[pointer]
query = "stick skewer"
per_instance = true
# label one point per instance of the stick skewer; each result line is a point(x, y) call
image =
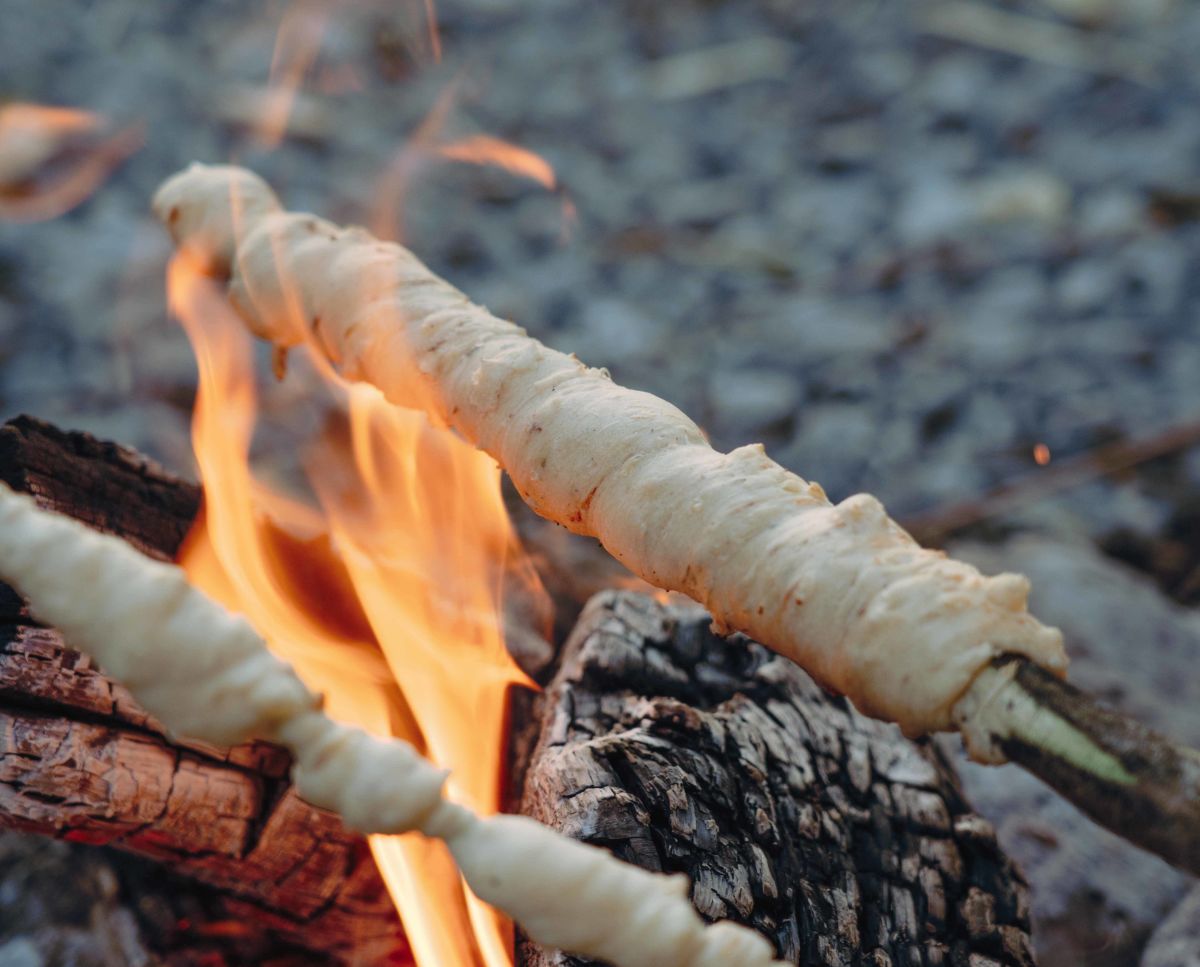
point(1125, 776)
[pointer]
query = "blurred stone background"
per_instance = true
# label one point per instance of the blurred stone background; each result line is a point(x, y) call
point(902, 244)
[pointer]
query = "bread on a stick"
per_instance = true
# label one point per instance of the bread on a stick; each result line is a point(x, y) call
point(841, 589)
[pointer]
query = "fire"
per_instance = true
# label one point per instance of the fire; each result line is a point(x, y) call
point(53, 158)
point(391, 188)
point(429, 142)
point(278, 107)
point(435, 35)
point(385, 594)
point(1041, 454)
point(297, 43)
point(483, 149)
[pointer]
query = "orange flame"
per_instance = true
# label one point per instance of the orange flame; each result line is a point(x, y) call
point(391, 189)
point(298, 39)
point(53, 158)
point(435, 35)
point(483, 149)
point(429, 141)
point(387, 599)
point(1041, 454)
point(297, 43)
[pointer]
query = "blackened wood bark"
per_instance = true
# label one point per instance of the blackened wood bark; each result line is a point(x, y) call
point(81, 761)
point(841, 841)
point(107, 486)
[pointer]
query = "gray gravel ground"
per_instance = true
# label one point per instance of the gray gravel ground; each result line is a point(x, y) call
point(899, 259)
point(901, 243)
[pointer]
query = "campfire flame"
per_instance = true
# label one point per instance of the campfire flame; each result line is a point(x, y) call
point(385, 590)
point(435, 35)
point(483, 149)
point(54, 158)
point(386, 595)
point(297, 43)
point(429, 142)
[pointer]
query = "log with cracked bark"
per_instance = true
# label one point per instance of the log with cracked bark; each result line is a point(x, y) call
point(81, 761)
point(843, 842)
point(839, 839)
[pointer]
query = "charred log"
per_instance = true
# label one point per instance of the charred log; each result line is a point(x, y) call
point(833, 835)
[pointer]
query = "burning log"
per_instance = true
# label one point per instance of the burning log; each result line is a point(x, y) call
point(82, 760)
point(806, 821)
point(906, 634)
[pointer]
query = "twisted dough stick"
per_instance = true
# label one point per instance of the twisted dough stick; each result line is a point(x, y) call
point(206, 674)
point(842, 590)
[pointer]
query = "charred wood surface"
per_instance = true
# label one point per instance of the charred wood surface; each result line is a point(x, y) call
point(838, 839)
point(79, 760)
point(108, 487)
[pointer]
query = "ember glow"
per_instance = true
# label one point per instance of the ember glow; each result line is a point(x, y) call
point(53, 158)
point(1041, 454)
point(387, 599)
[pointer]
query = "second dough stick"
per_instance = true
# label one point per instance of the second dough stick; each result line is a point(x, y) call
point(841, 589)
